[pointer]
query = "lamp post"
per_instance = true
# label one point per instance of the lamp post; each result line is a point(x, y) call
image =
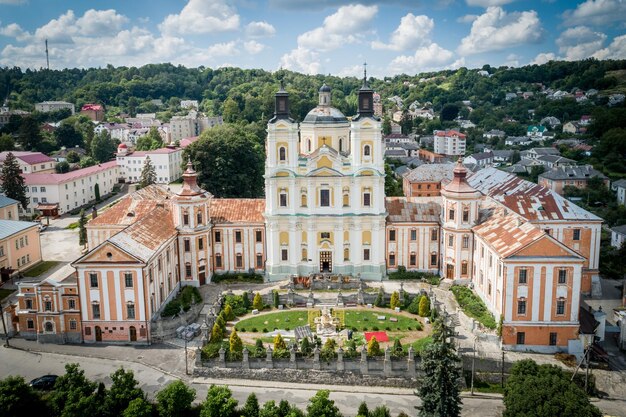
point(186, 357)
point(473, 365)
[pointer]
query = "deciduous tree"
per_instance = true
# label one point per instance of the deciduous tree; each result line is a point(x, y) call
point(175, 400)
point(219, 403)
point(17, 399)
point(320, 405)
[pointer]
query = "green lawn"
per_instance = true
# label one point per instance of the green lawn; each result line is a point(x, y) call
point(39, 269)
point(5, 293)
point(473, 306)
point(361, 320)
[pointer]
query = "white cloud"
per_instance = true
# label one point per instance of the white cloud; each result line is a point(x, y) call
point(616, 50)
point(58, 30)
point(13, 2)
point(496, 29)
point(425, 59)
point(596, 12)
point(100, 22)
point(341, 27)
point(412, 32)
point(351, 71)
point(223, 49)
point(488, 3)
point(253, 47)
point(260, 30)
point(302, 60)
point(579, 42)
point(13, 30)
point(543, 58)
point(512, 60)
point(468, 18)
point(201, 16)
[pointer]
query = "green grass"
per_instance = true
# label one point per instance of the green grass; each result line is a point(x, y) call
point(482, 386)
point(473, 306)
point(421, 344)
point(361, 320)
point(5, 293)
point(39, 269)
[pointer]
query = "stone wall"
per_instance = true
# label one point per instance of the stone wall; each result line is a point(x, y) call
point(165, 327)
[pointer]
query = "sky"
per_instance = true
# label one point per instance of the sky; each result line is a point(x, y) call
point(314, 37)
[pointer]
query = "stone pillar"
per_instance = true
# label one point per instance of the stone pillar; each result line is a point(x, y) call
point(269, 361)
point(410, 364)
point(310, 302)
point(360, 299)
point(222, 362)
point(387, 363)
point(291, 297)
point(340, 365)
point(198, 357)
point(316, 359)
point(245, 363)
point(292, 357)
point(364, 367)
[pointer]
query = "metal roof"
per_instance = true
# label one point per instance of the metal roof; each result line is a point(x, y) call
point(10, 227)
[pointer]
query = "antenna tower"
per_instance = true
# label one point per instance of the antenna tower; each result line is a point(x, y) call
point(47, 58)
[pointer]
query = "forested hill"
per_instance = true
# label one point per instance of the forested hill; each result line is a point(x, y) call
point(240, 94)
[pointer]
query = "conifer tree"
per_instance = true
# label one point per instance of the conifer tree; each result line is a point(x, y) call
point(82, 230)
point(395, 300)
point(279, 343)
point(424, 306)
point(251, 407)
point(439, 391)
point(373, 348)
point(12, 182)
point(236, 345)
point(257, 303)
point(148, 174)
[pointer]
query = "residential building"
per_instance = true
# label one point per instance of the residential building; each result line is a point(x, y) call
point(494, 133)
point(191, 125)
point(502, 155)
point(189, 104)
point(49, 106)
point(449, 142)
point(6, 114)
point(20, 247)
point(620, 189)
point(60, 193)
point(93, 111)
point(574, 128)
point(49, 310)
point(550, 121)
point(535, 153)
point(480, 159)
point(573, 176)
point(618, 236)
point(425, 180)
point(61, 155)
point(9, 208)
point(167, 163)
point(31, 162)
point(555, 161)
point(518, 141)
point(536, 132)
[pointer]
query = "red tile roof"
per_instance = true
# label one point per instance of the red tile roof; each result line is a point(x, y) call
point(449, 133)
point(133, 207)
point(237, 210)
point(409, 210)
point(507, 234)
point(91, 107)
point(37, 179)
point(28, 157)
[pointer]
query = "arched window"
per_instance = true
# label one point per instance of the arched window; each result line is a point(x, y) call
point(366, 150)
point(218, 260)
point(48, 326)
point(466, 214)
point(282, 155)
point(340, 145)
point(303, 202)
point(346, 254)
point(308, 145)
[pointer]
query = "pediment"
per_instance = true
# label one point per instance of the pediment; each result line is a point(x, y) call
point(107, 252)
point(324, 172)
point(546, 247)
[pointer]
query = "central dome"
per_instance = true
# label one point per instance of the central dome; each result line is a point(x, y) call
point(325, 114)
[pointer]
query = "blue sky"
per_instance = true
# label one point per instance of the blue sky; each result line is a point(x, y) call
point(321, 36)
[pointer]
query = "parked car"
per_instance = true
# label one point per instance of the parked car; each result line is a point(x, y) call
point(45, 382)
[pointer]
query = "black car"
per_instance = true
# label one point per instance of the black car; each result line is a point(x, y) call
point(45, 382)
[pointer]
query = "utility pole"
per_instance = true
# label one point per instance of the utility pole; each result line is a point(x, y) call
point(587, 368)
point(4, 326)
point(186, 357)
point(47, 58)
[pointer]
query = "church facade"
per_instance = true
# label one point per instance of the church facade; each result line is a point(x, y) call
point(528, 253)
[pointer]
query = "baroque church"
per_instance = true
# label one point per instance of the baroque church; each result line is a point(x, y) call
point(528, 253)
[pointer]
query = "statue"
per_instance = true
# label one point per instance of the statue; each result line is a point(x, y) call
point(326, 323)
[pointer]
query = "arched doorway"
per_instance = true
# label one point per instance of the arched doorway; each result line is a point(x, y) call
point(132, 332)
point(98, 334)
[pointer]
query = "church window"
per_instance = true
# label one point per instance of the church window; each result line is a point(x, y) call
point(392, 235)
point(367, 150)
point(186, 219)
point(49, 327)
point(308, 145)
point(325, 235)
point(522, 276)
point(392, 259)
point(413, 234)
point(258, 236)
point(259, 261)
point(346, 254)
point(340, 145)
point(93, 280)
point(562, 276)
point(560, 306)
point(199, 217)
point(238, 261)
point(433, 259)
point(464, 268)
point(466, 215)
point(29, 304)
point(237, 236)
point(366, 200)
point(346, 198)
point(465, 241)
point(95, 310)
point(47, 305)
point(576, 234)
point(218, 260)
point(130, 310)
point(282, 154)
point(128, 279)
point(303, 202)
point(218, 237)
point(284, 255)
point(366, 254)
point(283, 199)
point(451, 214)
point(450, 240)
point(187, 269)
point(325, 198)
point(412, 259)
point(187, 245)
point(434, 234)
point(200, 243)
point(521, 307)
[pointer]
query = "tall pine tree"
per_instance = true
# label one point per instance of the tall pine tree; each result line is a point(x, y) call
point(439, 391)
point(12, 182)
point(82, 231)
point(148, 174)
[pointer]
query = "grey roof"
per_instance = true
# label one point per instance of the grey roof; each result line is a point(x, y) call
point(401, 170)
point(505, 153)
point(619, 183)
point(395, 152)
point(11, 227)
point(482, 155)
point(545, 151)
point(324, 88)
point(556, 158)
point(6, 201)
point(516, 169)
point(620, 229)
point(431, 172)
point(574, 172)
point(325, 114)
point(407, 145)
